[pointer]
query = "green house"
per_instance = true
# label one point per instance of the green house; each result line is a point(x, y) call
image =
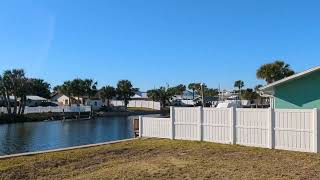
point(300, 91)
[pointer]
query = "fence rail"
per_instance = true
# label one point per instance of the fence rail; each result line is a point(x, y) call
point(39, 109)
point(138, 103)
point(295, 130)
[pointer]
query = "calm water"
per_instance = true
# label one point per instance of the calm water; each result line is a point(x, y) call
point(36, 136)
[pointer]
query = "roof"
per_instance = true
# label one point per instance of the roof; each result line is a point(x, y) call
point(290, 78)
point(36, 98)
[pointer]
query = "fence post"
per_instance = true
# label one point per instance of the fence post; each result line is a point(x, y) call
point(315, 130)
point(140, 127)
point(200, 120)
point(233, 123)
point(271, 128)
point(172, 116)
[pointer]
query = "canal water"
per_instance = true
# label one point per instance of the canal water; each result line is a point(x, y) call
point(38, 136)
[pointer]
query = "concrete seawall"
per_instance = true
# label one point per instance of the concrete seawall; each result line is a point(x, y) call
point(64, 149)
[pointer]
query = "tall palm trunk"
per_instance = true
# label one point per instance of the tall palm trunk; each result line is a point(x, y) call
point(22, 105)
point(8, 103)
point(193, 90)
point(108, 103)
point(15, 106)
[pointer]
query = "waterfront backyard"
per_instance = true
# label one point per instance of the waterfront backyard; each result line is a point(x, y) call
point(164, 159)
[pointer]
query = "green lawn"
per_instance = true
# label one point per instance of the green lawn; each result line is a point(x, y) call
point(164, 159)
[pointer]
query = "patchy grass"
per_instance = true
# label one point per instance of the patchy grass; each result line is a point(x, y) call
point(164, 159)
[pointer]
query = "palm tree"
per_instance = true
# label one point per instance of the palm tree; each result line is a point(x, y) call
point(192, 86)
point(153, 94)
point(40, 88)
point(274, 71)
point(13, 84)
point(239, 84)
point(196, 88)
point(90, 87)
point(163, 95)
point(125, 91)
point(67, 90)
point(78, 88)
point(107, 92)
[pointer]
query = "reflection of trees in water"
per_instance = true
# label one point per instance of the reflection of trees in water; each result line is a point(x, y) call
point(23, 137)
point(17, 138)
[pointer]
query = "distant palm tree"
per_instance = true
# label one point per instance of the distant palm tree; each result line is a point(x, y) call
point(196, 88)
point(66, 89)
point(239, 84)
point(107, 93)
point(125, 91)
point(274, 71)
point(193, 87)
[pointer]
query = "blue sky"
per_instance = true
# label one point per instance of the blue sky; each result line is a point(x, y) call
point(155, 42)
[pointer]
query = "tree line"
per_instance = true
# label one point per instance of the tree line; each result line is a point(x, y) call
point(80, 88)
point(15, 86)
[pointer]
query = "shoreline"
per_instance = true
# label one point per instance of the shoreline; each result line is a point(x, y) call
point(63, 149)
point(43, 117)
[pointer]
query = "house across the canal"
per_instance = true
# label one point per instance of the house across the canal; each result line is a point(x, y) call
point(299, 91)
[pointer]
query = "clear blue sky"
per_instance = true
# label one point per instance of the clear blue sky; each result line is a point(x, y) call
point(154, 42)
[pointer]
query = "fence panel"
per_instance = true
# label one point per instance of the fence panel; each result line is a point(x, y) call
point(294, 130)
point(186, 123)
point(287, 129)
point(157, 105)
point(252, 127)
point(216, 125)
point(156, 127)
point(138, 103)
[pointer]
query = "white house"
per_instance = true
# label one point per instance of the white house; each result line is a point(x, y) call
point(95, 103)
point(33, 101)
point(186, 95)
point(61, 99)
point(185, 99)
point(140, 96)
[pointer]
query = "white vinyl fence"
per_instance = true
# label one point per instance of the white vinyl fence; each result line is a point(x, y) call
point(156, 127)
point(138, 103)
point(287, 129)
point(39, 109)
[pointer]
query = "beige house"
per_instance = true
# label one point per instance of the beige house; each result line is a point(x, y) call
point(63, 100)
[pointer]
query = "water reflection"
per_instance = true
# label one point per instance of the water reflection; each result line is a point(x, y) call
point(28, 137)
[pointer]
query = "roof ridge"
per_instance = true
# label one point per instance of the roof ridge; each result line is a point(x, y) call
point(297, 75)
